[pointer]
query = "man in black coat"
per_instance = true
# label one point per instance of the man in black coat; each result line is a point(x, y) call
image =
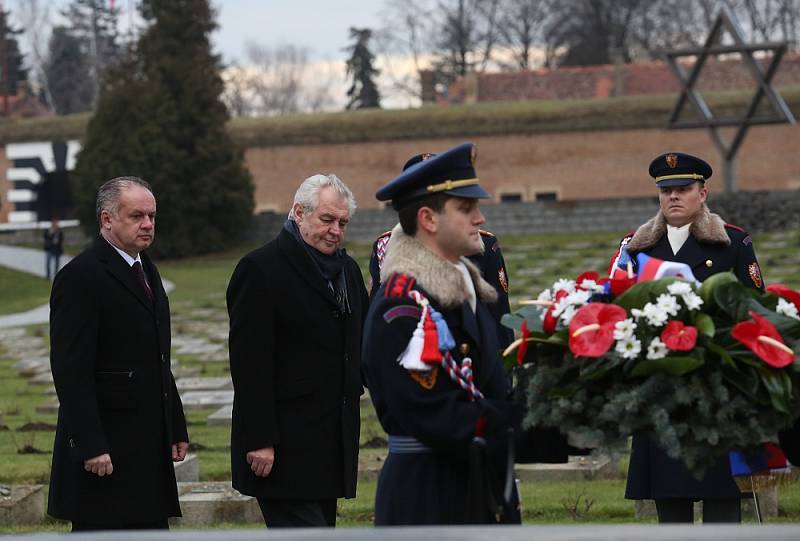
point(297, 307)
point(120, 419)
point(430, 353)
point(684, 230)
point(53, 248)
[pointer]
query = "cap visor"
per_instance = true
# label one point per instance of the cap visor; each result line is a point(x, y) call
point(676, 182)
point(475, 191)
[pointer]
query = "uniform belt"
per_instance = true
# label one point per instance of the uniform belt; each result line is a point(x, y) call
point(407, 445)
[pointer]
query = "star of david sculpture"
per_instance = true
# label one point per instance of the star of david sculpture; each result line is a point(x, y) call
point(780, 112)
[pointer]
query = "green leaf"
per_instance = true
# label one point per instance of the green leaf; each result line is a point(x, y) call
point(705, 325)
point(779, 387)
point(640, 294)
point(712, 283)
point(530, 313)
point(736, 300)
point(677, 366)
point(725, 357)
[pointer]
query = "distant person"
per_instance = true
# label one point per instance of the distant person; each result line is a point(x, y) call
point(53, 248)
point(120, 419)
point(686, 231)
point(297, 308)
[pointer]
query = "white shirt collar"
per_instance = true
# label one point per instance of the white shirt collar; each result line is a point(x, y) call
point(677, 236)
point(128, 259)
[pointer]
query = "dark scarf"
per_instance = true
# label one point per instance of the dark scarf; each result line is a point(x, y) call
point(330, 267)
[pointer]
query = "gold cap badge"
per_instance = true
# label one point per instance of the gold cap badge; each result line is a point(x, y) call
point(672, 161)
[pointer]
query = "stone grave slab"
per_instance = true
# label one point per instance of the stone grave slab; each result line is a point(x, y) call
point(48, 407)
point(187, 471)
point(221, 417)
point(179, 372)
point(12, 333)
point(42, 378)
point(204, 384)
point(204, 504)
point(21, 504)
point(32, 366)
point(579, 468)
point(188, 345)
point(206, 399)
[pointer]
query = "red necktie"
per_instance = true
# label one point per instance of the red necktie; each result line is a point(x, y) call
point(139, 271)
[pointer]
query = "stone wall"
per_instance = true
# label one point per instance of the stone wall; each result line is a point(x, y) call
point(610, 80)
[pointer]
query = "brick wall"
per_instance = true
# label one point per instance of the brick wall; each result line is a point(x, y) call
point(5, 186)
point(610, 80)
point(573, 165)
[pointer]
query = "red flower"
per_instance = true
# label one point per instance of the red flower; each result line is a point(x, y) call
point(523, 347)
point(782, 291)
point(763, 339)
point(586, 276)
point(679, 337)
point(621, 285)
point(549, 321)
point(591, 331)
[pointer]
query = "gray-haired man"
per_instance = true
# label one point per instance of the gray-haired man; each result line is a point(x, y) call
point(297, 308)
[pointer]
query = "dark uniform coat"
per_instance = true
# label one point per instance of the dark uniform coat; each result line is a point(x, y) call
point(110, 356)
point(295, 363)
point(712, 247)
point(434, 488)
point(492, 267)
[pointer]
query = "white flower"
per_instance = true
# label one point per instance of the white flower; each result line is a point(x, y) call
point(629, 347)
point(624, 329)
point(656, 316)
point(545, 295)
point(787, 309)
point(559, 306)
point(657, 349)
point(566, 315)
point(579, 297)
point(680, 288)
point(668, 303)
point(636, 313)
point(692, 300)
point(564, 285)
point(592, 286)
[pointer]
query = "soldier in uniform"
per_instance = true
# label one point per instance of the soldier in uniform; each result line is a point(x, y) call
point(489, 259)
point(684, 230)
point(430, 352)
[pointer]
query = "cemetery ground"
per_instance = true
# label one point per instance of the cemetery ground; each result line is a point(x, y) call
point(199, 329)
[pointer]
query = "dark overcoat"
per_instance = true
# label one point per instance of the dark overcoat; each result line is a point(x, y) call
point(651, 473)
point(110, 356)
point(295, 362)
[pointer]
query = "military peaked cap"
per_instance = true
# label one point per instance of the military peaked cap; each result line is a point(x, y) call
point(678, 169)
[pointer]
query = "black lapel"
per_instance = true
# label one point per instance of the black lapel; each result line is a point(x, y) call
point(691, 253)
point(470, 322)
point(120, 270)
point(305, 267)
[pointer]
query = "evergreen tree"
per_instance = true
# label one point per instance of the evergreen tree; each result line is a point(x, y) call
point(67, 71)
point(17, 73)
point(160, 117)
point(363, 92)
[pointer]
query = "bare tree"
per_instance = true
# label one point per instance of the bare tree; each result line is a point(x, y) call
point(521, 28)
point(34, 17)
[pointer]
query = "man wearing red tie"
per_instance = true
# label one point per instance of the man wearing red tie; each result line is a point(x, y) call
point(120, 419)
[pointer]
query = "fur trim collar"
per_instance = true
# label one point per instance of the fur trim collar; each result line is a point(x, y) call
point(707, 227)
point(436, 276)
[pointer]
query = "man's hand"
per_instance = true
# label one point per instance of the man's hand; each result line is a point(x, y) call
point(179, 451)
point(261, 461)
point(100, 465)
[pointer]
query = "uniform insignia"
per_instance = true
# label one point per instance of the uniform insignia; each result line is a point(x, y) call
point(747, 241)
point(672, 161)
point(473, 155)
point(755, 274)
point(380, 248)
point(501, 276)
point(402, 311)
point(426, 380)
point(426, 156)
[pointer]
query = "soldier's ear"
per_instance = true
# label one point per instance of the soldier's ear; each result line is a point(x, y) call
point(703, 193)
point(428, 219)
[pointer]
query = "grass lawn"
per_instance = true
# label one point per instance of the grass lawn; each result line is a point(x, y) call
point(533, 261)
point(21, 291)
